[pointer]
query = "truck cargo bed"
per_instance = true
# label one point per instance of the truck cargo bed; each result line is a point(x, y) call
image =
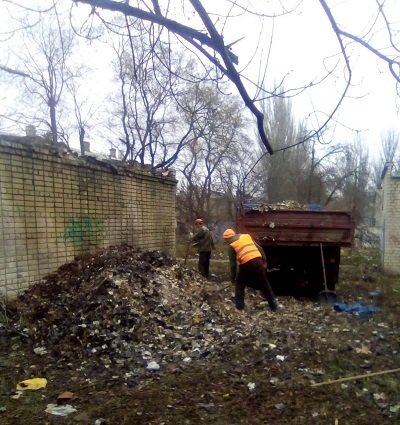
point(298, 227)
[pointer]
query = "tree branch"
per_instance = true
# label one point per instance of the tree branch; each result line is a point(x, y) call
point(14, 71)
point(214, 41)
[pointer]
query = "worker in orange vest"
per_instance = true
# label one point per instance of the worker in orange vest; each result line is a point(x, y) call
point(250, 256)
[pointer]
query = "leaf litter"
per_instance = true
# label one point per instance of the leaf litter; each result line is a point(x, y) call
point(135, 317)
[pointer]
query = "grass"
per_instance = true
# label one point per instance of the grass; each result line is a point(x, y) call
point(216, 392)
point(219, 263)
point(183, 247)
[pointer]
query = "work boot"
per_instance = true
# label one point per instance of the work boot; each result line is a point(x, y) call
point(239, 305)
point(276, 306)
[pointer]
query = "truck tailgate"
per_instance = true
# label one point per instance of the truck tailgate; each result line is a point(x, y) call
point(299, 227)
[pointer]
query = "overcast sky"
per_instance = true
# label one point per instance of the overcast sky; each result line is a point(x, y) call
point(301, 44)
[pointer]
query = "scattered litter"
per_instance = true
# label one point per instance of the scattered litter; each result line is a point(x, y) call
point(32, 384)
point(65, 396)
point(363, 350)
point(251, 386)
point(153, 366)
point(206, 405)
point(395, 408)
point(122, 310)
point(3, 409)
point(146, 355)
point(379, 396)
point(40, 350)
point(16, 395)
point(358, 309)
point(375, 294)
point(64, 410)
point(122, 306)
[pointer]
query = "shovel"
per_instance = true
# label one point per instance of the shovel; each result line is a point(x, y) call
point(326, 296)
point(187, 253)
point(179, 273)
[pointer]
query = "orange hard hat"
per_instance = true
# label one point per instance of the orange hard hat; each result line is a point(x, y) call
point(198, 221)
point(229, 233)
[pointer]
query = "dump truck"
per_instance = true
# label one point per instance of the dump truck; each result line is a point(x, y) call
point(302, 244)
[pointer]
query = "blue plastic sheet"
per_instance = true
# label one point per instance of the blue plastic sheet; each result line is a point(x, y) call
point(358, 309)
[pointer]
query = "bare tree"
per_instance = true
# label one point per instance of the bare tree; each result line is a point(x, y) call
point(41, 61)
point(285, 173)
point(84, 112)
point(148, 106)
point(335, 173)
point(308, 173)
point(233, 181)
point(351, 180)
point(322, 168)
point(389, 154)
point(218, 140)
point(208, 42)
point(389, 146)
point(206, 37)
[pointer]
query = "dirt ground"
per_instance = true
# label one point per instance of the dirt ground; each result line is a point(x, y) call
point(138, 339)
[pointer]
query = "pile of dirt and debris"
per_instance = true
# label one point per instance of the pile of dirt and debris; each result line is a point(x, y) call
point(130, 310)
point(138, 338)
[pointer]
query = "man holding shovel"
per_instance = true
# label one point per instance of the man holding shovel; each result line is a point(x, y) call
point(243, 251)
point(204, 243)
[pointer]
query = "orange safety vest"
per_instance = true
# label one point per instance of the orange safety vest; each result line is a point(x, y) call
point(245, 249)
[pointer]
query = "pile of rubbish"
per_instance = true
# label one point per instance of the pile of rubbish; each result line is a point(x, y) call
point(122, 308)
point(283, 205)
point(127, 317)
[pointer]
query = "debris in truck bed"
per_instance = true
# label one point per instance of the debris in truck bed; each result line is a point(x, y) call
point(283, 205)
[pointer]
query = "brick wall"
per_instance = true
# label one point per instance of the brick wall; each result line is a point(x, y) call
point(391, 221)
point(54, 206)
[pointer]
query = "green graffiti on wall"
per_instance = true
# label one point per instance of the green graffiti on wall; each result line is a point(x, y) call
point(84, 230)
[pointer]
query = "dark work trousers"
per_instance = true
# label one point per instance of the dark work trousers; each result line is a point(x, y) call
point(253, 274)
point(204, 263)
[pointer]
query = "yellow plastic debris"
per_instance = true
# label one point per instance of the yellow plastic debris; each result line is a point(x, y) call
point(32, 384)
point(196, 319)
point(363, 350)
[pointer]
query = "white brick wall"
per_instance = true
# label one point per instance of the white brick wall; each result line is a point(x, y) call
point(54, 207)
point(391, 221)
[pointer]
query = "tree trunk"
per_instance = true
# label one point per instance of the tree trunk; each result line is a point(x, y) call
point(53, 121)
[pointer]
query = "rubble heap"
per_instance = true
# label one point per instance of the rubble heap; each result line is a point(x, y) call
point(283, 205)
point(124, 308)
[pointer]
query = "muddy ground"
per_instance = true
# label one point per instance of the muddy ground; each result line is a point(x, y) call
point(139, 339)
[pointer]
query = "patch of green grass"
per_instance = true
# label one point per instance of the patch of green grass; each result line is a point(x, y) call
point(29, 405)
point(184, 247)
point(216, 390)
